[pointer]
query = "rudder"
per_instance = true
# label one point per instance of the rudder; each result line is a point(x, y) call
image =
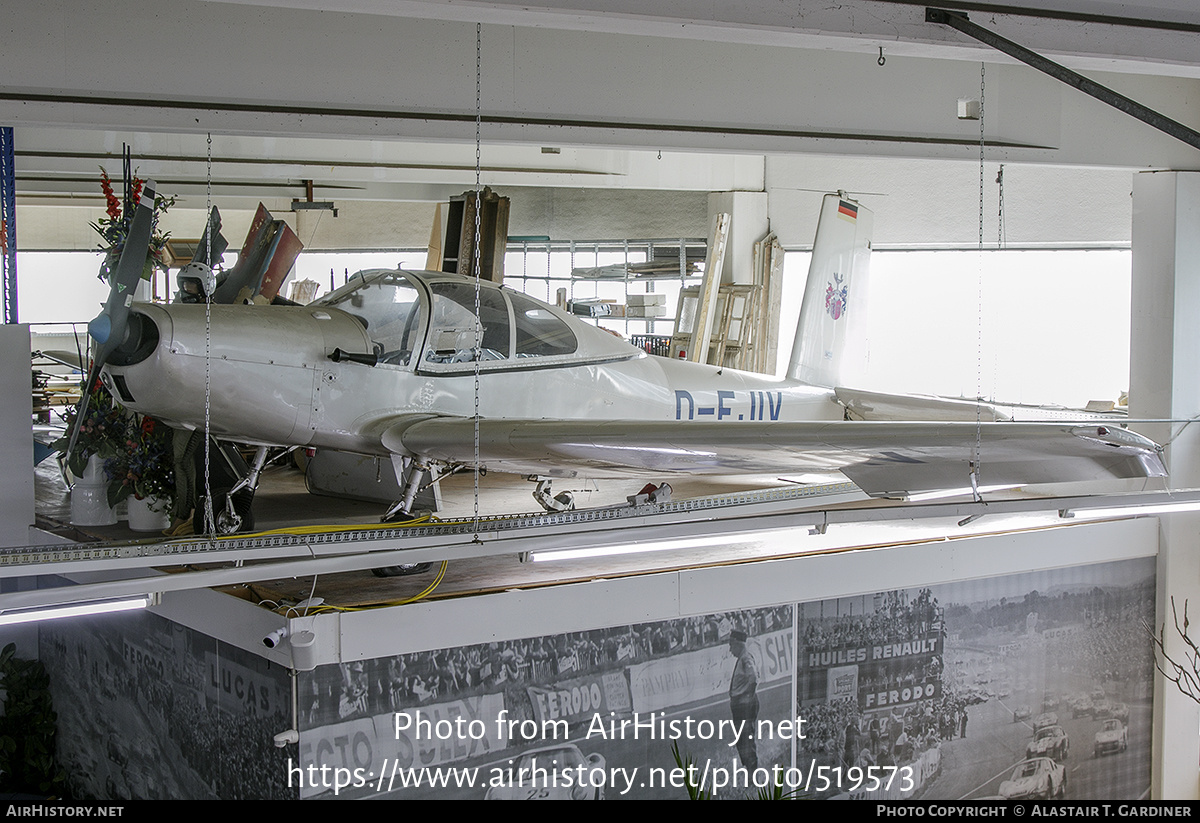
point(832, 315)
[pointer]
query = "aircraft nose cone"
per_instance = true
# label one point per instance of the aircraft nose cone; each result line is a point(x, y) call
point(137, 340)
point(100, 328)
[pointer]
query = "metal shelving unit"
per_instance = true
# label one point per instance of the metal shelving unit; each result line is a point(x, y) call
point(639, 264)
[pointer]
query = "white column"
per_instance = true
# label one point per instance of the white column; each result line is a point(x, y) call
point(16, 446)
point(1165, 383)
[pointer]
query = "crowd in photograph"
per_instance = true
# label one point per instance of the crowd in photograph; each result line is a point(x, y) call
point(897, 618)
point(362, 688)
point(1111, 647)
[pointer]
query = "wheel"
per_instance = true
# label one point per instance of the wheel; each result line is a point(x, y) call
point(403, 570)
point(242, 519)
point(226, 468)
point(399, 516)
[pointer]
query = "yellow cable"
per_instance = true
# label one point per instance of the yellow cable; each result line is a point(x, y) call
point(425, 593)
point(300, 530)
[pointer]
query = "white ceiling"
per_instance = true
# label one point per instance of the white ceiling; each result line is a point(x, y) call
point(375, 99)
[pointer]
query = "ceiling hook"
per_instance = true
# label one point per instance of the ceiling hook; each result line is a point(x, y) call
point(882, 60)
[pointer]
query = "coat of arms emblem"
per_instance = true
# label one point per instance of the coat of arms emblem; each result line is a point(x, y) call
point(835, 296)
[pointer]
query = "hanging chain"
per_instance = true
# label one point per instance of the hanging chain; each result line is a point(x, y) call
point(209, 521)
point(1000, 239)
point(478, 320)
point(981, 144)
point(978, 456)
point(525, 266)
point(649, 323)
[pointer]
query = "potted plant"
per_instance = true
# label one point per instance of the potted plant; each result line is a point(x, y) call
point(143, 473)
point(103, 433)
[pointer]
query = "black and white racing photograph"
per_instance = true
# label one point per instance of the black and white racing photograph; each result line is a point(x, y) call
point(615, 713)
point(151, 710)
point(1033, 686)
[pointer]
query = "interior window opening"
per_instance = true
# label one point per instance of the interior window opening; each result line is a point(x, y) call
point(453, 327)
point(389, 308)
point(540, 332)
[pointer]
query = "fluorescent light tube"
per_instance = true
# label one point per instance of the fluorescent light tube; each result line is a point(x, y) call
point(674, 543)
point(74, 609)
point(1151, 508)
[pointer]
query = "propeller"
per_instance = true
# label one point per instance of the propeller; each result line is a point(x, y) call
point(110, 328)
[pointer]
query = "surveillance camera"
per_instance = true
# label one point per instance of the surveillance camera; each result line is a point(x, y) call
point(275, 638)
point(284, 738)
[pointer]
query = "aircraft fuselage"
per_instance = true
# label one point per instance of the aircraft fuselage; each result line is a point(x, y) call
point(271, 378)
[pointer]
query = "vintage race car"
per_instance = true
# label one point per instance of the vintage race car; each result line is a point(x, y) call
point(1081, 706)
point(1039, 777)
point(1043, 720)
point(553, 773)
point(1112, 737)
point(1049, 741)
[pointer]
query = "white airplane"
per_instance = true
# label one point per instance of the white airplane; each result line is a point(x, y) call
point(387, 365)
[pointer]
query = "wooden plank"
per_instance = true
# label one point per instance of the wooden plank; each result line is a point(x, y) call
point(707, 308)
point(433, 252)
point(762, 326)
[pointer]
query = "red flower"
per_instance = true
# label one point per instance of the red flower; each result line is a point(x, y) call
point(114, 204)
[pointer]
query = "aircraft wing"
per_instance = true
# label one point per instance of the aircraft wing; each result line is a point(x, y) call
point(882, 458)
point(868, 405)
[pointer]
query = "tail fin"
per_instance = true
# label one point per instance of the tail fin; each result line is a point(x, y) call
point(832, 316)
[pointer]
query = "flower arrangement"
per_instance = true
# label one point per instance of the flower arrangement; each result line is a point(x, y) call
point(145, 468)
point(114, 227)
point(137, 450)
point(102, 431)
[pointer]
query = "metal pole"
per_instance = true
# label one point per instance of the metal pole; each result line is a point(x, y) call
point(1102, 93)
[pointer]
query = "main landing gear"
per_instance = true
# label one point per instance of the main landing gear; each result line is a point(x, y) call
point(410, 471)
point(232, 482)
point(561, 502)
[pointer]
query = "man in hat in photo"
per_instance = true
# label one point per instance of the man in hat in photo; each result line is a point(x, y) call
point(743, 699)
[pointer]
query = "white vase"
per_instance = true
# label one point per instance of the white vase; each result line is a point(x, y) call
point(148, 514)
point(89, 497)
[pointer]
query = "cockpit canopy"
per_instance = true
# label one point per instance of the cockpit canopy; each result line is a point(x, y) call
point(430, 323)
